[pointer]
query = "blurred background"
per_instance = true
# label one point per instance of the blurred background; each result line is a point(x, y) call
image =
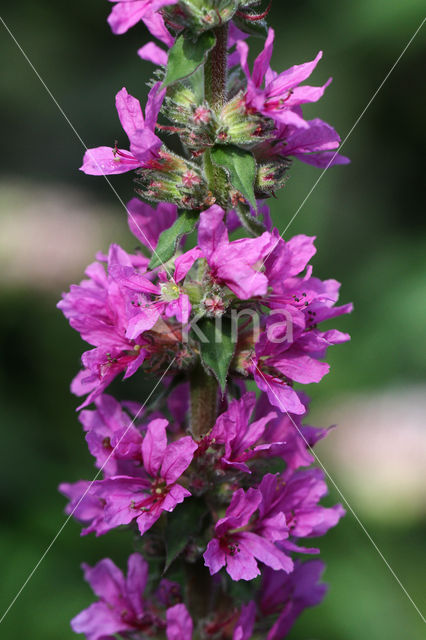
point(370, 224)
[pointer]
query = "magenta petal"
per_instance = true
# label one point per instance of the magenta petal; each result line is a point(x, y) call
point(103, 161)
point(177, 458)
point(155, 24)
point(179, 623)
point(306, 93)
point(244, 627)
point(144, 145)
point(147, 519)
point(211, 230)
point(302, 368)
point(322, 160)
point(143, 321)
point(280, 395)
point(147, 223)
point(153, 53)
point(136, 581)
point(125, 15)
point(154, 446)
point(214, 556)
point(98, 622)
point(175, 496)
point(263, 60)
point(106, 580)
point(295, 75)
point(242, 565)
point(265, 551)
point(130, 113)
point(184, 262)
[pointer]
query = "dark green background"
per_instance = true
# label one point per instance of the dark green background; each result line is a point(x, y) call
point(369, 219)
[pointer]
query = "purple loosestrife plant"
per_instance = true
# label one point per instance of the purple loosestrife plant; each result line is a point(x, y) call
point(214, 481)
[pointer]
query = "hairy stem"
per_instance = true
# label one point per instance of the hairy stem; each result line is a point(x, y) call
point(215, 77)
point(204, 387)
point(216, 70)
point(199, 589)
point(203, 401)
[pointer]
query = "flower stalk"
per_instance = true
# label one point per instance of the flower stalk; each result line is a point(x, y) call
point(188, 473)
point(215, 80)
point(204, 401)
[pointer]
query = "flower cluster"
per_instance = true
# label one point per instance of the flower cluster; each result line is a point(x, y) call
point(215, 481)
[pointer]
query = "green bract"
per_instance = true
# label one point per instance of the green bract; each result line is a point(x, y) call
point(187, 55)
point(201, 15)
point(240, 166)
point(217, 352)
point(171, 237)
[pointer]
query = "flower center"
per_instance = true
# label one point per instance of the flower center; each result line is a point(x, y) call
point(169, 291)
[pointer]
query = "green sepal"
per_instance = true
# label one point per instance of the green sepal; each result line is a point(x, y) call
point(217, 352)
point(183, 523)
point(240, 166)
point(257, 28)
point(250, 223)
point(170, 238)
point(187, 55)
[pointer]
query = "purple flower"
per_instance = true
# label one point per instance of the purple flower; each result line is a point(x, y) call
point(244, 627)
point(240, 438)
point(290, 346)
point(288, 428)
point(102, 426)
point(83, 505)
point(144, 144)
point(232, 264)
point(169, 298)
point(121, 608)
point(99, 309)
point(313, 144)
point(296, 494)
point(144, 498)
point(277, 364)
point(126, 13)
point(180, 625)
point(239, 541)
point(147, 223)
point(288, 595)
point(281, 94)
point(280, 362)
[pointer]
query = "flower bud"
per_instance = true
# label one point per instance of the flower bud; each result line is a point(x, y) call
point(249, 20)
point(199, 15)
point(173, 179)
point(214, 305)
point(271, 176)
point(237, 125)
point(197, 121)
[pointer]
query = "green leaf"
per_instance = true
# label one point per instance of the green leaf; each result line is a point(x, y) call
point(170, 238)
point(182, 524)
point(217, 346)
point(240, 166)
point(187, 55)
